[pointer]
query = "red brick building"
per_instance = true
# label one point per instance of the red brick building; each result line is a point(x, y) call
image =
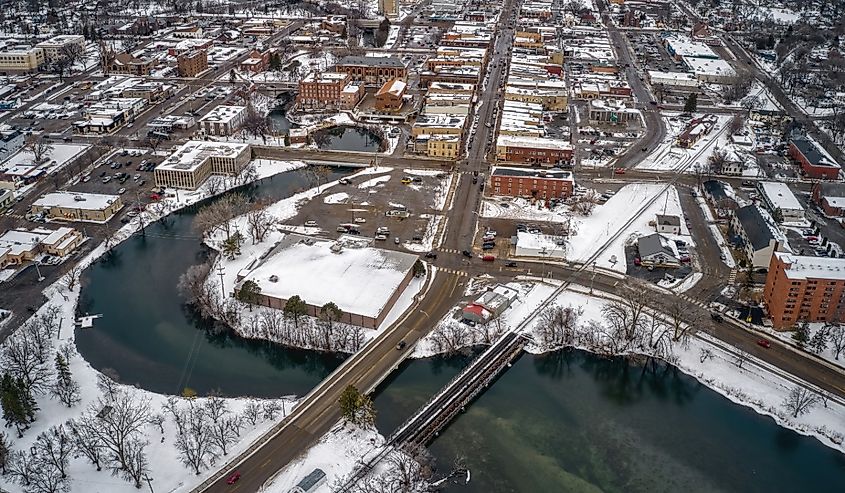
point(531, 183)
point(192, 63)
point(830, 197)
point(321, 90)
point(391, 95)
point(372, 70)
point(813, 161)
point(256, 62)
point(804, 288)
point(532, 150)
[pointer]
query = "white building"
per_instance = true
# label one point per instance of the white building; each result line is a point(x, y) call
point(674, 79)
point(668, 224)
point(778, 196)
point(707, 70)
point(196, 160)
point(53, 48)
point(540, 246)
point(223, 120)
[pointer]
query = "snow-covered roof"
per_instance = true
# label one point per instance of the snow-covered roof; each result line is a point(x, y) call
point(358, 279)
point(194, 153)
point(805, 267)
point(533, 142)
point(77, 200)
point(780, 196)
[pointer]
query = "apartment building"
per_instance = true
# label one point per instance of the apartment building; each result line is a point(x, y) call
point(196, 160)
point(531, 183)
point(223, 120)
point(329, 90)
point(533, 150)
point(802, 288)
point(814, 161)
point(192, 63)
point(125, 63)
point(391, 95)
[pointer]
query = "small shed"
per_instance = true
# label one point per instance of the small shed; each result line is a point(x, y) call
point(311, 482)
point(668, 224)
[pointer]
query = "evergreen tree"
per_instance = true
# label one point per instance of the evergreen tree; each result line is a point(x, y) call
point(65, 388)
point(802, 333)
point(691, 104)
point(18, 405)
point(295, 308)
point(249, 293)
point(5, 452)
point(818, 342)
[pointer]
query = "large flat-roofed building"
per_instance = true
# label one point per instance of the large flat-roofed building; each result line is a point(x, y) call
point(223, 120)
point(19, 59)
point(20, 245)
point(363, 281)
point(54, 48)
point(77, 206)
point(778, 197)
point(192, 63)
point(531, 183)
point(196, 160)
point(802, 288)
point(532, 150)
point(372, 70)
point(329, 90)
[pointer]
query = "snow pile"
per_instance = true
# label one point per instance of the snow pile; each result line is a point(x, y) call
point(379, 180)
point(336, 198)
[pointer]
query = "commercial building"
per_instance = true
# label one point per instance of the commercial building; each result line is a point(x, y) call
point(196, 160)
point(329, 90)
point(802, 288)
point(668, 224)
point(363, 281)
point(372, 70)
point(672, 79)
point(613, 112)
point(256, 62)
point(712, 71)
point(533, 150)
point(531, 183)
point(192, 63)
point(126, 63)
point(7, 198)
point(77, 206)
point(491, 304)
point(814, 161)
point(539, 246)
point(443, 145)
point(11, 140)
point(20, 59)
point(223, 120)
point(55, 47)
point(21, 245)
point(108, 115)
point(391, 95)
point(830, 197)
point(696, 129)
point(778, 197)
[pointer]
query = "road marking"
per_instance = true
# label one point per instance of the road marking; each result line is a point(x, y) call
point(264, 464)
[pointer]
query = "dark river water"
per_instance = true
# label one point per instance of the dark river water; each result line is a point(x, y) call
point(568, 421)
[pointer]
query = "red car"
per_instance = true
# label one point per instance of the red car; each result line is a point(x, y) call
point(764, 343)
point(488, 258)
point(619, 171)
point(234, 478)
point(637, 261)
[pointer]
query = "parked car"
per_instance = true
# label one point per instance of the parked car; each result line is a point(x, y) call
point(510, 264)
point(381, 237)
point(717, 317)
point(311, 224)
point(619, 171)
point(764, 343)
point(431, 255)
point(359, 220)
point(406, 181)
point(466, 253)
point(488, 258)
point(396, 240)
point(401, 345)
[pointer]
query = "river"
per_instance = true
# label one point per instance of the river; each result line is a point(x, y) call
point(568, 421)
point(572, 421)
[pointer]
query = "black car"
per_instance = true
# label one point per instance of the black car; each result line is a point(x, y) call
point(510, 264)
point(431, 255)
point(466, 253)
point(717, 317)
point(401, 345)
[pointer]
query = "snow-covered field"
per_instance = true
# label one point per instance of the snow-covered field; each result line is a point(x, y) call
point(669, 157)
point(521, 209)
point(607, 226)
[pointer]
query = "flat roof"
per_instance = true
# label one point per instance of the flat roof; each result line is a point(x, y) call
point(531, 172)
point(77, 200)
point(371, 61)
point(806, 267)
point(780, 196)
point(223, 113)
point(359, 279)
point(707, 66)
point(536, 142)
point(193, 153)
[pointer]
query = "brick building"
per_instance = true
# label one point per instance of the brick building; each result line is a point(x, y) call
point(830, 197)
point(391, 95)
point(125, 63)
point(531, 183)
point(814, 162)
point(256, 62)
point(372, 70)
point(192, 63)
point(532, 150)
point(329, 90)
point(804, 288)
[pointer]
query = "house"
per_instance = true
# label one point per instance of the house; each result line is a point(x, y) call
point(755, 232)
point(814, 161)
point(490, 304)
point(125, 63)
point(696, 129)
point(256, 62)
point(720, 195)
point(311, 482)
point(656, 250)
point(668, 224)
point(830, 196)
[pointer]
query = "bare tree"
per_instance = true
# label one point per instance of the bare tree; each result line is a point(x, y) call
point(740, 358)
point(72, 277)
point(22, 467)
point(252, 412)
point(557, 326)
point(626, 314)
point(681, 319)
point(24, 357)
point(117, 423)
point(55, 447)
point(836, 334)
point(736, 124)
point(137, 465)
point(225, 431)
point(39, 148)
point(171, 406)
point(215, 406)
point(107, 383)
point(585, 204)
point(705, 354)
point(72, 52)
point(255, 122)
point(195, 446)
point(271, 410)
point(87, 441)
point(158, 420)
point(800, 401)
point(259, 222)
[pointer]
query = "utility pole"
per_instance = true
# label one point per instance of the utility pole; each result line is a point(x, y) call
point(220, 272)
point(149, 481)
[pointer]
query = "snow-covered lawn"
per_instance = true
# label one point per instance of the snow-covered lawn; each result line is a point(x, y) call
point(372, 182)
point(336, 198)
point(670, 157)
point(828, 353)
point(607, 226)
point(521, 209)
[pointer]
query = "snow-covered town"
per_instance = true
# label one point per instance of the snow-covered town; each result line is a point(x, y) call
point(407, 246)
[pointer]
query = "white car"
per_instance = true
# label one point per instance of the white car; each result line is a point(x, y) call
point(310, 224)
point(359, 220)
point(121, 191)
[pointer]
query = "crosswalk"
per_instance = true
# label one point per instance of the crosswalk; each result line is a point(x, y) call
point(732, 276)
point(456, 272)
point(448, 250)
point(694, 301)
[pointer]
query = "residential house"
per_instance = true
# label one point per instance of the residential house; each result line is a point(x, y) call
point(755, 233)
point(721, 197)
point(830, 197)
point(668, 224)
point(656, 250)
